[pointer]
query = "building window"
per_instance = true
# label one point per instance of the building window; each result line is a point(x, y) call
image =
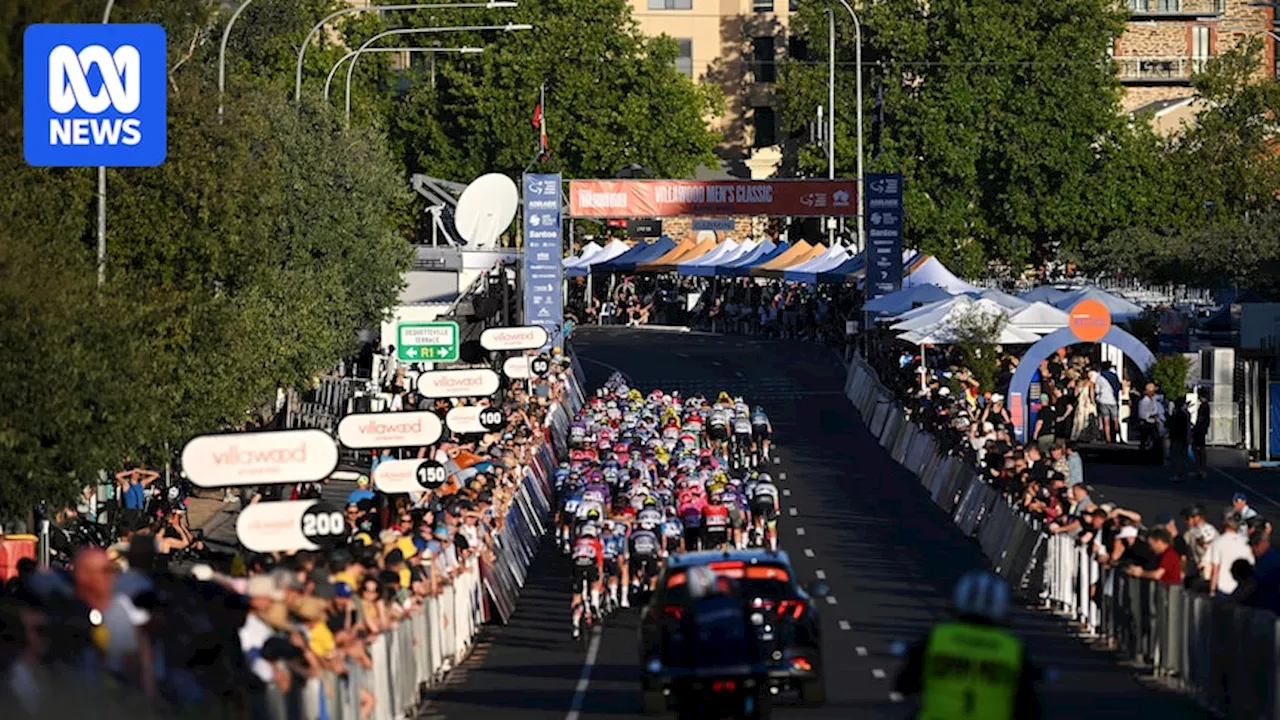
point(798, 47)
point(762, 5)
point(684, 61)
point(1200, 47)
point(670, 4)
point(765, 125)
point(763, 57)
point(794, 5)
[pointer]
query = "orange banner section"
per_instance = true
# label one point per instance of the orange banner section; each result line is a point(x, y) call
point(670, 198)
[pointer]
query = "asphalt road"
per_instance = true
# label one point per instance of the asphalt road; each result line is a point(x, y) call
point(851, 516)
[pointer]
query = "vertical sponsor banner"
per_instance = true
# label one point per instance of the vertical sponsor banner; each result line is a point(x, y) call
point(543, 304)
point(884, 233)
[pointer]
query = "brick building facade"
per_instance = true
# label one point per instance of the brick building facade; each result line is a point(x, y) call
point(1166, 41)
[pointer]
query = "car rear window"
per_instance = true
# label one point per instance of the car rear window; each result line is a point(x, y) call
point(766, 581)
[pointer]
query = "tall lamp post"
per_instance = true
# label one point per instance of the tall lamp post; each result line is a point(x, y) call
point(222, 53)
point(334, 70)
point(102, 191)
point(302, 51)
point(857, 27)
point(509, 27)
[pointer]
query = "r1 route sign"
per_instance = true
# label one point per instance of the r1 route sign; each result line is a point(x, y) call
point(427, 342)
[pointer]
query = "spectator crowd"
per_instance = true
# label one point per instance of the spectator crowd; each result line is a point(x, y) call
point(270, 636)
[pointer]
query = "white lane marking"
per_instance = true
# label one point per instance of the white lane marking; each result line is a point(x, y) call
point(777, 460)
point(606, 366)
point(792, 512)
point(782, 476)
point(820, 574)
point(877, 673)
point(808, 552)
point(584, 680)
point(831, 600)
point(895, 697)
point(800, 531)
point(862, 651)
point(844, 625)
point(682, 355)
point(1246, 486)
point(786, 492)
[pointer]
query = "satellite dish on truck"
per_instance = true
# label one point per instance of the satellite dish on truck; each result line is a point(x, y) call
point(485, 209)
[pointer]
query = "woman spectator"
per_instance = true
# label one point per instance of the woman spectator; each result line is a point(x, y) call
point(1086, 412)
point(996, 413)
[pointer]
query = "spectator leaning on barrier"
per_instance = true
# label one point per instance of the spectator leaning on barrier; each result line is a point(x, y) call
point(1168, 569)
point(1229, 547)
point(1199, 536)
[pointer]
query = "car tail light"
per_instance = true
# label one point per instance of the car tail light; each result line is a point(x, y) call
point(801, 664)
point(724, 686)
point(672, 611)
point(792, 608)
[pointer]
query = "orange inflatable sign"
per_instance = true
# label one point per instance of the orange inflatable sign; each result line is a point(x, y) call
point(1089, 320)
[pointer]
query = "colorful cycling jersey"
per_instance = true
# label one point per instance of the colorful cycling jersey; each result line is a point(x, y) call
point(764, 490)
point(571, 504)
point(672, 528)
point(759, 419)
point(652, 515)
point(644, 543)
point(614, 545)
point(587, 551)
point(691, 516)
point(671, 432)
point(742, 425)
point(719, 417)
point(577, 434)
point(716, 517)
point(586, 506)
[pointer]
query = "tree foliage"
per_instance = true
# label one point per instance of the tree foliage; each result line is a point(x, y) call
point(247, 261)
point(1169, 373)
point(976, 333)
point(999, 114)
point(614, 97)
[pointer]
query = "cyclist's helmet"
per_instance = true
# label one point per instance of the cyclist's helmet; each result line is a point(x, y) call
point(760, 409)
point(590, 530)
point(982, 595)
point(593, 515)
point(764, 478)
point(650, 501)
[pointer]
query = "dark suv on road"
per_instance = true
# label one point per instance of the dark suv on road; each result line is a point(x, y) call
point(784, 614)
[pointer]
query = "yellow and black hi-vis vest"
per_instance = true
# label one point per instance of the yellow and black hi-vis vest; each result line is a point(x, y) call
point(971, 672)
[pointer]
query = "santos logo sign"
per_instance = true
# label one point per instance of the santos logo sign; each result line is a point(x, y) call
point(94, 95)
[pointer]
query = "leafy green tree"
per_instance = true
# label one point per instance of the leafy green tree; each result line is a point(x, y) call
point(614, 97)
point(246, 262)
point(993, 110)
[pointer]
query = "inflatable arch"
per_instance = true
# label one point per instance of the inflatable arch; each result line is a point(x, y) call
point(1131, 346)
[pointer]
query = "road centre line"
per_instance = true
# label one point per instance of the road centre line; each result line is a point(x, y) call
point(831, 600)
point(786, 492)
point(877, 673)
point(584, 680)
point(862, 651)
point(820, 574)
point(895, 697)
point(792, 512)
point(782, 476)
point(800, 531)
point(844, 625)
point(808, 552)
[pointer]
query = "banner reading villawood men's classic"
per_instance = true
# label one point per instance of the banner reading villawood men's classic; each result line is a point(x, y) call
point(543, 304)
point(670, 198)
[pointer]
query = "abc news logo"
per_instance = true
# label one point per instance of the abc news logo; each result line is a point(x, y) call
point(95, 95)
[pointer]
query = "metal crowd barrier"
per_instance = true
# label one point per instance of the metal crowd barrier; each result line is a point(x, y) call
point(415, 656)
point(1224, 656)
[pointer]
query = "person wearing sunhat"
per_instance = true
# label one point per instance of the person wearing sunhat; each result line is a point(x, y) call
point(362, 491)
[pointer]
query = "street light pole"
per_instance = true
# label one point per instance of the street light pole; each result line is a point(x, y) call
point(831, 112)
point(417, 31)
point(222, 53)
point(334, 70)
point(857, 27)
point(102, 191)
point(302, 51)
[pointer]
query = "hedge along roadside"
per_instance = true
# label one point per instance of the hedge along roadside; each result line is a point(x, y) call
point(416, 656)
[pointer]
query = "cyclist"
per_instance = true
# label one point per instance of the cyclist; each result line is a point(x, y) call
point(718, 428)
point(742, 435)
point(764, 510)
point(613, 540)
point(673, 532)
point(972, 666)
point(761, 434)
point(566, 515)
point(645, 552)
point(588, 567)
point(715, 517)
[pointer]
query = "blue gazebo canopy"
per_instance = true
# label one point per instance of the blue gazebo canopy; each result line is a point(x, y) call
point(759, 256)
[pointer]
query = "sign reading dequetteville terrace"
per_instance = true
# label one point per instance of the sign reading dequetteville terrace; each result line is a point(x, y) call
point(427, 342)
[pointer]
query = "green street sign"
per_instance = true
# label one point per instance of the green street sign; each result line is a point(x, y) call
point(427, 342)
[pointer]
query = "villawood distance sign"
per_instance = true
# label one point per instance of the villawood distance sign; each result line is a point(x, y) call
point(259, 458)
point(362, 431)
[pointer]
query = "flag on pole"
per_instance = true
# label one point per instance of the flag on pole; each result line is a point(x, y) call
point(540, 122)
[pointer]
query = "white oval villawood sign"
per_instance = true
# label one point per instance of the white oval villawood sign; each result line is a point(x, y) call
point(389, 430)
point(530, 337)
point(477, 382)
point(465, 419)
point(259, 458)
point(517, 368)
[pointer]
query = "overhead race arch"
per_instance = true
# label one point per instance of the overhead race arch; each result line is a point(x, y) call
point(1090, 322)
